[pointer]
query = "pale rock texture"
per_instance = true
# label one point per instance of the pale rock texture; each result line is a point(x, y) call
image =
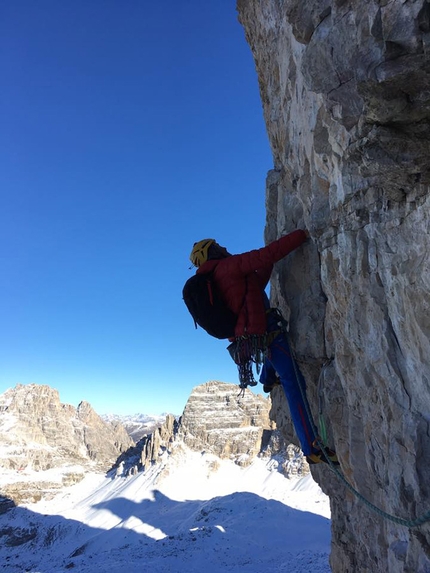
point(157, 443)
point(218, 421)
point(231, 426)
point(40, 435)
point(345, 89)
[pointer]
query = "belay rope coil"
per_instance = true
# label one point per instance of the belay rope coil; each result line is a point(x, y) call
point(320, 441)
point(252, 350)
point(248, 351)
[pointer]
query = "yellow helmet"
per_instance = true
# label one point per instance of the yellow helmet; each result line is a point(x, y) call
point(199, 254)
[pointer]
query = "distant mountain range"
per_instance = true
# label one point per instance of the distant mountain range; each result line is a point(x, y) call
point(83, 491)
point(137, 425)
point(46, 445)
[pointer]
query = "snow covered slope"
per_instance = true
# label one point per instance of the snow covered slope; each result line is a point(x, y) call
point(191, 513)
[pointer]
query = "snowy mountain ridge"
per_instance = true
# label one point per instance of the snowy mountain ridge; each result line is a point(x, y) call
point(39, 435)
point(208, 491)
point(192, 511)
point(136, 425)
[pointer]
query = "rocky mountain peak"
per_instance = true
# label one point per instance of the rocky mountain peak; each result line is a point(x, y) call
point(38, 434)
point(216, 416)
point(217, 421)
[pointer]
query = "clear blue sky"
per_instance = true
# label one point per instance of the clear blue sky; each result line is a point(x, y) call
point(129, 130)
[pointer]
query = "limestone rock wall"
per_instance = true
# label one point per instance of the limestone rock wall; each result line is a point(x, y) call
point(215, 417)
point(39, 434)
point(154, 445)
point(345, 89)
point(217, 421)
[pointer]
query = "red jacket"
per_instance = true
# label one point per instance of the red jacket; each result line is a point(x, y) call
point(243, 278)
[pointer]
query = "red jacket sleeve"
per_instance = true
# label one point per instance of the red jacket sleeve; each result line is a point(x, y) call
point(269, 255)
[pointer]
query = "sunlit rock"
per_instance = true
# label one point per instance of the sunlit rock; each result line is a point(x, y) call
point(345, 89)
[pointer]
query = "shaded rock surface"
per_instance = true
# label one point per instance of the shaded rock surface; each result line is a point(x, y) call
point(40, 435)
point(345, 89)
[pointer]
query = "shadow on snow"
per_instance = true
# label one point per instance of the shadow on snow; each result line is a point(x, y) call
point(29, 540)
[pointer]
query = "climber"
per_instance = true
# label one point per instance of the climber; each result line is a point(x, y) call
point(258, 337)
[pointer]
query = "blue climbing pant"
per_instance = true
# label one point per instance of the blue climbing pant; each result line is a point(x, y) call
point(280, 360)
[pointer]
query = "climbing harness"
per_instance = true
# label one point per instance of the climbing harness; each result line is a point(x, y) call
point(321, 443)
point(252, 350)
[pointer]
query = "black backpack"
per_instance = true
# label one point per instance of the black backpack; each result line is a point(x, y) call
point(207, 307)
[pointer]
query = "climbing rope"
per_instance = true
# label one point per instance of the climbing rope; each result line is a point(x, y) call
point(321, 421)
point(405, 522)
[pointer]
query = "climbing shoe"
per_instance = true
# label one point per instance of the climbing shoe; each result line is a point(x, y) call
point(319, 456)
point(275, 381)
point(269, 387)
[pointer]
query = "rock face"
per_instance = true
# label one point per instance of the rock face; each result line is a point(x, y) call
point(345, 88)
point(215, 420)
point(39, 434)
